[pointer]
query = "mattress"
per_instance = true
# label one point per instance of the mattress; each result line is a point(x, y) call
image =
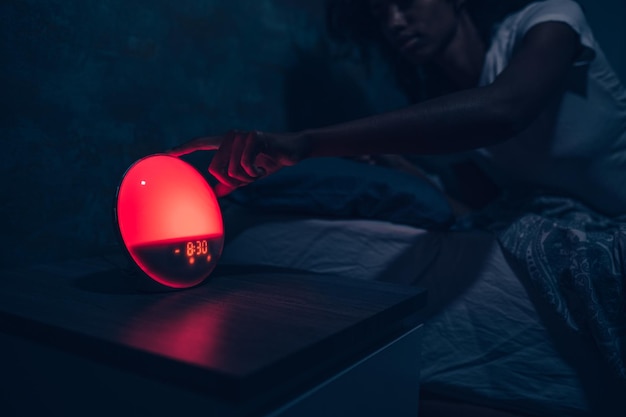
point(487, 338)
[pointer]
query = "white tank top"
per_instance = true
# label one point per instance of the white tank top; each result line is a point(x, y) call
point(577, 146)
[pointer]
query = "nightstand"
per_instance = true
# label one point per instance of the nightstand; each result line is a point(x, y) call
point(77, 340)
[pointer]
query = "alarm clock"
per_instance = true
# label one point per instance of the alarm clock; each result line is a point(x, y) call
point(169, 222)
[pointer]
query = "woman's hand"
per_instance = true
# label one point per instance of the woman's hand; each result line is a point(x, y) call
point(243, 157)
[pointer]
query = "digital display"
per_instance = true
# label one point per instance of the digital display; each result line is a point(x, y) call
point(185, 262)
point(170, 221)
point(197, 248)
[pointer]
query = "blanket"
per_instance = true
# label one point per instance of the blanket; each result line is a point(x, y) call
point(573, 256)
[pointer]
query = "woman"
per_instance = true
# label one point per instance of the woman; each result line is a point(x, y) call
point(534, 100)
point(534, 96)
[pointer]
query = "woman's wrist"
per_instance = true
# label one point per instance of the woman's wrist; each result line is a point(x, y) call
point(289, 148)
point(303, 145)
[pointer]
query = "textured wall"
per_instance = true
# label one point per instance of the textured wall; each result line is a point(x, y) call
point(608, 21)
point(89, 86)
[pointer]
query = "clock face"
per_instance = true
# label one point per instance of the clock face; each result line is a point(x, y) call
point(169, 221)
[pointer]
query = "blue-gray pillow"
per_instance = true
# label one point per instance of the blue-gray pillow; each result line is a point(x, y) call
point(343, 188)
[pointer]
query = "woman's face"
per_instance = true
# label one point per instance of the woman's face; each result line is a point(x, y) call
point(418, 29)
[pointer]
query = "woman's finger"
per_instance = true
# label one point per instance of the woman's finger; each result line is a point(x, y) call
point(252, 146)
point(208, 143)
point(242, 147)
point(221, 190)
point(221, 160)
point(266, 165)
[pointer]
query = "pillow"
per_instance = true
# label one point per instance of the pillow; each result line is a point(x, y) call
point(343, 188)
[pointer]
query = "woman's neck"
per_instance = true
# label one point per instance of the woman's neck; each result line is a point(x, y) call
point(462, 60)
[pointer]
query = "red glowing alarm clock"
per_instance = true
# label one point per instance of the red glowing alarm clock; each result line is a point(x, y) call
point(169, 221)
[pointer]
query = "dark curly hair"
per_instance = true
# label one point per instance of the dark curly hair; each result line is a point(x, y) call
point(351, 25)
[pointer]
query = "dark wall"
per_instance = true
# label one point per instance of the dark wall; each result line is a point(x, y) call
point(608, 21)
point(89, 86)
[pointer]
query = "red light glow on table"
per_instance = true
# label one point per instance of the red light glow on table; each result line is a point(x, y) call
point(169, 221)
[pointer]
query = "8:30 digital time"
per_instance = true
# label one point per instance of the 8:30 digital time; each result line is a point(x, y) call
point(197, 248)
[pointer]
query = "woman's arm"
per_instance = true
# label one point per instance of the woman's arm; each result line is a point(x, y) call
point(460, 121)
point(467, 119)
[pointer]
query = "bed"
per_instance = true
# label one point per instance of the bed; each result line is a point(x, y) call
point(492, 344)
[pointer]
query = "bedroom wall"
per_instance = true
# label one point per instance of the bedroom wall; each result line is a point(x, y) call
point(607, 19)
point(89, 86)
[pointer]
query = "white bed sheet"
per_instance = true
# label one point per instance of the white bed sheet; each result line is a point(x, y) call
point(484, 340)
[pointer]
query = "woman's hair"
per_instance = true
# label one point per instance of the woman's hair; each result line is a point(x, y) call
point(351, 24)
